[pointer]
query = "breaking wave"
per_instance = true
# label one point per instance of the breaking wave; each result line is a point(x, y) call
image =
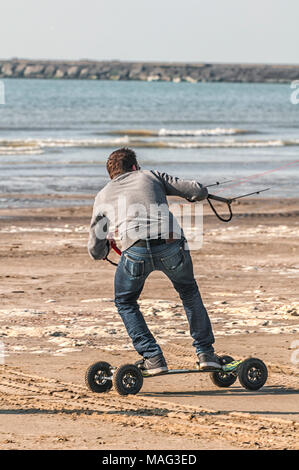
point(38, 146)
point(180, 132)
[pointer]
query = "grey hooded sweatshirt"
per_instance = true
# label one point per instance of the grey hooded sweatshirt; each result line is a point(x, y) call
point(133, 206)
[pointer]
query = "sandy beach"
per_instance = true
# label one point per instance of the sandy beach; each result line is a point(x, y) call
point(57, 316)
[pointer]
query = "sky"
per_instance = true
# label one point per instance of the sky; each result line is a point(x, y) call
point(248, 31)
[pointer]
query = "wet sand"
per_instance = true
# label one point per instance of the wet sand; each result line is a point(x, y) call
point(57, 317)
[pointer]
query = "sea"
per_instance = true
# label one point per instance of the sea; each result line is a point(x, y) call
point(56, 135)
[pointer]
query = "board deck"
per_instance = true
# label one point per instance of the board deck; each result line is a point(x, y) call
point(226, 368)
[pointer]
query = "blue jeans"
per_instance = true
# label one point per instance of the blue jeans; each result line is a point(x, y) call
point(136, 263)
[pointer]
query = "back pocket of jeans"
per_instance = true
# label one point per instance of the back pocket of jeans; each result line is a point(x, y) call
point(135, 268)
point(175, 261)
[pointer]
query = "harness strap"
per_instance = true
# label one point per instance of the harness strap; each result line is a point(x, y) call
point(116, 249)
point(109, 261)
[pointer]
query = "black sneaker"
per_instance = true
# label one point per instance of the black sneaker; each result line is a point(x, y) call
point(209, 361)
point(153, 365)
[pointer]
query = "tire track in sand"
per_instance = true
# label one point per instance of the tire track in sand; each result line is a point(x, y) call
point(34, 394)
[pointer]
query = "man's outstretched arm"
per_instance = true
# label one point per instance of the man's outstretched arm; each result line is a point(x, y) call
point(188, 189)
point(98, 245)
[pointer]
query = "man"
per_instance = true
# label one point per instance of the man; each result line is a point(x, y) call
point(133, 205)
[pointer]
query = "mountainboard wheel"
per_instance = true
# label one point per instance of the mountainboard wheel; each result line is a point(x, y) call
point(252, 374)
point(221, 378)
point(98, 377)
point(128, 379)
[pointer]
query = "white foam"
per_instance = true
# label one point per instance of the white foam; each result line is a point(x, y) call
point(34, 146)
point(227, 144)
point(199, 132)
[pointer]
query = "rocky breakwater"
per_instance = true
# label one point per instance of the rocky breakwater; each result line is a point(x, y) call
point(148, 71)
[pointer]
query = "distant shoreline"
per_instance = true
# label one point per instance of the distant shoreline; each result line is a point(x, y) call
point(148, 71)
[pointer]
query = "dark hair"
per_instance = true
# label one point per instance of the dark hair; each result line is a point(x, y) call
point(121, 161)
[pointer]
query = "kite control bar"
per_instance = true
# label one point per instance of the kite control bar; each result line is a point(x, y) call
point(228, 202)
point(221, 199)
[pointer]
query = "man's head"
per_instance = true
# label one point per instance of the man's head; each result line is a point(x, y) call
point(121, 161)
